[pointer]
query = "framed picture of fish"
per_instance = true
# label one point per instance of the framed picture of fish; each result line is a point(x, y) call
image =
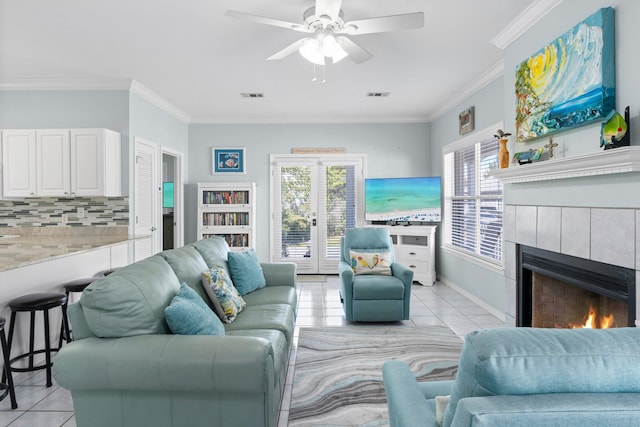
point(228, 160)
point(570, 82)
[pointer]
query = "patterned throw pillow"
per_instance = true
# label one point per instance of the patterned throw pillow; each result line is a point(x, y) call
point(218, 286)
point(376, 262)
point(188, 314)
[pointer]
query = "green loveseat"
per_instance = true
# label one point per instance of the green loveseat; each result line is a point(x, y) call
point(126, 368)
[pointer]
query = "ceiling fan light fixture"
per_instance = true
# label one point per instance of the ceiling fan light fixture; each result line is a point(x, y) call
point(332, 49)
point(312, 51)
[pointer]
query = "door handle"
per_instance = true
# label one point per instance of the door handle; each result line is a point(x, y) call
point(153, 229)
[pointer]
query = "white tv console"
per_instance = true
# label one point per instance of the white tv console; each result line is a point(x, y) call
point(414, 247)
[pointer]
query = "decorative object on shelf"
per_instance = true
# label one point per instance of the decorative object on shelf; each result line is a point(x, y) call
point(616, 131)
point(466, 121)
point(503, 153)
point(228, 160)
point(565, 85)
point(529, 156)
point(551, 145)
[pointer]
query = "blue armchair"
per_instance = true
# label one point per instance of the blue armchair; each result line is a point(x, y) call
point(373, 287)
point(510, 377)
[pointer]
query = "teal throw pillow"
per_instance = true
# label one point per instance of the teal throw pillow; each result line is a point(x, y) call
point(217, 284)
point(246, 272)
point(188, 314)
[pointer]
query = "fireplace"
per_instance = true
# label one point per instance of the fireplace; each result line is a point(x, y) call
point(559, 290)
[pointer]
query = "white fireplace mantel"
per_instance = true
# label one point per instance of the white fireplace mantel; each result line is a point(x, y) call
point(617, 160)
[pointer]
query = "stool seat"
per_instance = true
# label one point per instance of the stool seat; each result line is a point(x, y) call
point(78, 285)
point(108, 271)
point(38, 301)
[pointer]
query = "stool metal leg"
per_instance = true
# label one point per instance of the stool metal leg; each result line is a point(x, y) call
point(32, 338)
point(47, 347)
point(7, 370)
point(8, 366)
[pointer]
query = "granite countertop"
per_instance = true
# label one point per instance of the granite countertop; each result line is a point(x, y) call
point(22, 247)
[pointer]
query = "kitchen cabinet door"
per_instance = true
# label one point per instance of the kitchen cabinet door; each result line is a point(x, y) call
point(19, 163)
point(95, 163)
point(53, 162)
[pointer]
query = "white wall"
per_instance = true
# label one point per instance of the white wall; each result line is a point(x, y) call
point(393, 150)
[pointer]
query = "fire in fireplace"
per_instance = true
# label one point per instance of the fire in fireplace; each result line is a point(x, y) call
point(561, 291)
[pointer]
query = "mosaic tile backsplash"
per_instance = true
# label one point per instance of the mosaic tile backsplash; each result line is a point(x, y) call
point(62, 212)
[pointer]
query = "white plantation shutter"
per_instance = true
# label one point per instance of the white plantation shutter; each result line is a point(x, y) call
point(473, 198)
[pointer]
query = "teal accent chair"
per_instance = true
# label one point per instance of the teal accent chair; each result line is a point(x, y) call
point(373, 297)
point(511, 377)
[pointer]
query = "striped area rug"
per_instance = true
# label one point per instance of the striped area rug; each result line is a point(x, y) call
point(338, 371)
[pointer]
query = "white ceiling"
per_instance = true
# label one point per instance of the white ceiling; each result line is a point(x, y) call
point(188, 53)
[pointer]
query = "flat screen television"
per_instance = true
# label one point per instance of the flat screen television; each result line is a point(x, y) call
point(167, 194)
point(403, 200)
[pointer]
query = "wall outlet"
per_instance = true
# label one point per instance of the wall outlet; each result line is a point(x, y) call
point(65, 218)
point(80, 212)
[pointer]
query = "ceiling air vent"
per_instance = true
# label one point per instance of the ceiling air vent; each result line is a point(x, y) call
point(378, 94)
point(252, 95)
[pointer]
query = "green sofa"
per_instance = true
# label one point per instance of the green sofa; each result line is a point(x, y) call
point(126, 368)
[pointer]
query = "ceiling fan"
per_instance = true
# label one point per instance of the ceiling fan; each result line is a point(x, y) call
point(329, 40)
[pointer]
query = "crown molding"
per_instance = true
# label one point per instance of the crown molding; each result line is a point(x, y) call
point(155, 99)
point(527, 19)
point(65, 84)
point(310, 120)
point(114, 84)
point(482, 81)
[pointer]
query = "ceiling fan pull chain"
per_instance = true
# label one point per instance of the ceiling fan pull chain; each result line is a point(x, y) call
point(314, 74)
point(324, 74)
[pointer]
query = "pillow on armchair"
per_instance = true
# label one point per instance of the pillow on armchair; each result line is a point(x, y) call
point(371, 261)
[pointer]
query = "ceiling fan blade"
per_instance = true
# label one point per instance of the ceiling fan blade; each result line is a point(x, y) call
point(356, 53)
point(328, 7)
point(266, 21)
point(292, 48)
point(407, 21)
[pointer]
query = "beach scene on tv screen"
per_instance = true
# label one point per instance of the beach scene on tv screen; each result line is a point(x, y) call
point(403, 199)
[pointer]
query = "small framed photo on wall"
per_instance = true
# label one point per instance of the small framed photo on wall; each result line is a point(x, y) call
point(466, 121)
point(228, 160)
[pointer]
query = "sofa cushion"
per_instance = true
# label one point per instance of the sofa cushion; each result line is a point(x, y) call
point(219, 288)
point(214, 250)
point(378, 287)
point(132, 300)
point(273, 295)
point(268, 316)
point(188, 314)
point(523, 361)
point(246, 271)
point(188, 265)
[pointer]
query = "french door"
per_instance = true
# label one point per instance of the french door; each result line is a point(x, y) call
point(314, 199)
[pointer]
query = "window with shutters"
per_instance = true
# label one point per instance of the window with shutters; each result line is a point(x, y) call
point(473, 198)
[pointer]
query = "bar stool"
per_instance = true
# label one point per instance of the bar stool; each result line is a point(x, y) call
point(32, 303)
point(8, 386)
point(74, 286)
point(107, 271)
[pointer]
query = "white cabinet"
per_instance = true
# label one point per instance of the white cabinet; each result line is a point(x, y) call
point(95, 162)
point(18, 163)
point(52, 163)
point(61, 163)
point(414, 247)
point(228, 210)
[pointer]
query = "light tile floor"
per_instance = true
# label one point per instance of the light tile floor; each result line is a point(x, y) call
point(319, 305)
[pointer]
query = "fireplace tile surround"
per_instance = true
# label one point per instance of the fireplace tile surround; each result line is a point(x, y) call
point(609, 235)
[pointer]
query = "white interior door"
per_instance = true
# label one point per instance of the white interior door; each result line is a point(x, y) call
point(145, 203)
point(314, 199)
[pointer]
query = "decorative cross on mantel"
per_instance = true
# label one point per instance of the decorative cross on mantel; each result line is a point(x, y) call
point(551, 145)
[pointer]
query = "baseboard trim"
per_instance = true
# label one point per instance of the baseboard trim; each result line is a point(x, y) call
point(497, 313)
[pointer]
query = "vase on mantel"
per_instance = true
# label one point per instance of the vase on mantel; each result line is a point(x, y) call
point(503, 153)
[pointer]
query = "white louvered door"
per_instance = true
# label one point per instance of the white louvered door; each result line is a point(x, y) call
point(145, 199)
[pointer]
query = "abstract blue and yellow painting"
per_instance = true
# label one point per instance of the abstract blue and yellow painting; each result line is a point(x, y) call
point(570, 82)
